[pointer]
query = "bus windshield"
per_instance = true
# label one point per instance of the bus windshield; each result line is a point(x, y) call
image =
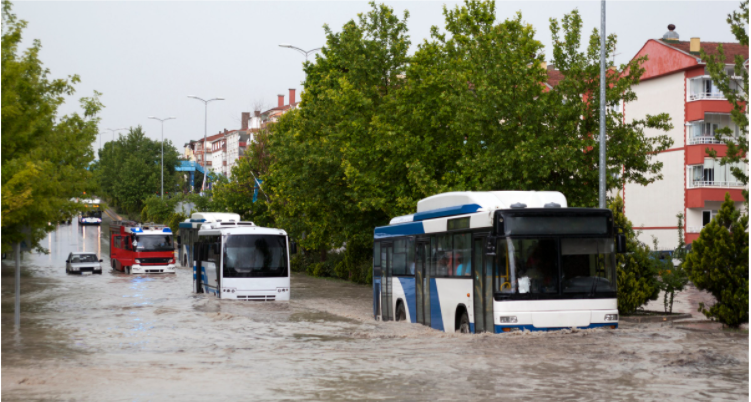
point(554, 266)
point(255, 256)
point(92, 214)
point(154, 243)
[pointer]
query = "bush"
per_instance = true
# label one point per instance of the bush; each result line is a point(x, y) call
point(718, 263)
point(637, 271)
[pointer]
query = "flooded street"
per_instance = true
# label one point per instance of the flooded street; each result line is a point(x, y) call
point(148, 338)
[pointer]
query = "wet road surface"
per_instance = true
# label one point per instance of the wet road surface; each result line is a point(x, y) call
point(148, 338)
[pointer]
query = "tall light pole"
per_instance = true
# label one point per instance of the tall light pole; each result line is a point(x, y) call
point(205, 130)
point(603, 100)
point(162, 121)
point(306, 53)
point(113, 136)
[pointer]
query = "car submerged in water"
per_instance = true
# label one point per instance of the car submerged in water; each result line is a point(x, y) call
point(83, 263)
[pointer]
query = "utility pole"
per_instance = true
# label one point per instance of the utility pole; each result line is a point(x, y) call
point(603, 100)
point(162, 121)
point(205, 130)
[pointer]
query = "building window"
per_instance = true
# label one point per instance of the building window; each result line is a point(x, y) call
point(713, 174)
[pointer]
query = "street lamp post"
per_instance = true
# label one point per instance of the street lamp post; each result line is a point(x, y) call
point(205, 130)
point(306, 53)
point(162, 121)
point(113, 136)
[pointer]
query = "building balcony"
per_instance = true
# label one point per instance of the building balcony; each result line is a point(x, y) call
point(702, 184)
point(706, 96)
point(704, 139)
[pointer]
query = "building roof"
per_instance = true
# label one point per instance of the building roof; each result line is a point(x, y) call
point(554, 77)
point(731, 49)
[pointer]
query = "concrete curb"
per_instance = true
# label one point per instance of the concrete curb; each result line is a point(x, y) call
point(657, 317)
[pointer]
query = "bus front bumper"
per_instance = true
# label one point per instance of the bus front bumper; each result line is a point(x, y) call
point(152, 269)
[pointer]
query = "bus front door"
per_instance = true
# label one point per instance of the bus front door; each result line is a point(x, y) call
point(482, 268)
point(387, 256)
point(422, 286)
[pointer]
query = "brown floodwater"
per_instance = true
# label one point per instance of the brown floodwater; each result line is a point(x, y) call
point(148, 338)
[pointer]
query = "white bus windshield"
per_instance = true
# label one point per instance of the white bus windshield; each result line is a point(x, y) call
point(255, 256)
point(154, 243)
point(532, 266)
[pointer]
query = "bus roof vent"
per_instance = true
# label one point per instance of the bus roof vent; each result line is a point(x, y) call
point(245, 223)
point(552, 205)
point(518, 205)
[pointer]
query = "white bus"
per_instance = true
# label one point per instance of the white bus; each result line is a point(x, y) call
point(239, 260)
point(497, 261)
point(92, 215)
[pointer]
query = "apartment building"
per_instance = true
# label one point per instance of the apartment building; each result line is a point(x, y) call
point(272, 115)
point(676, 82)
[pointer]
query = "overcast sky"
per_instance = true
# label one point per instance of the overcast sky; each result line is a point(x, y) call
point(146, 57)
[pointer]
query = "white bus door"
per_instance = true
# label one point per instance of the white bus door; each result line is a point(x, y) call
point(482, 269)
point(422, 284)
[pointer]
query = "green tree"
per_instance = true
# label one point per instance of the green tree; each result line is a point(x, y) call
point(718, 263)
point(321, 193)
point(735, 88)
point(636, 269)
point(236, 195)
point(45, 156)
point(673, 278)
point(129, 170)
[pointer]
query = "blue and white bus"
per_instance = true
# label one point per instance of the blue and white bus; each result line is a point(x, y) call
point(497, 261)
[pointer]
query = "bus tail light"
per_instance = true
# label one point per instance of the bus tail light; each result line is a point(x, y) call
point(509, 320)
point(611, 317)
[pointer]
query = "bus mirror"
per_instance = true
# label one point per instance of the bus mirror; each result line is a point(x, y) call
point(178, 240)
point(620, 243)
point(293, 248)
point(490, 244)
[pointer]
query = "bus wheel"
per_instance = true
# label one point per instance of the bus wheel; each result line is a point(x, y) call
point(401, 315)
point(463, 323)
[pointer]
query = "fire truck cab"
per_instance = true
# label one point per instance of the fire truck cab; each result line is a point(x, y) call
point(141, 248)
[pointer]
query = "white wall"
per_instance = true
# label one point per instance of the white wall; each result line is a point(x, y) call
point(657, 204)
point(661, 95)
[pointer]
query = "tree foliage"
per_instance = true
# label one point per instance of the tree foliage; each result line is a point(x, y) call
point(377, 130)
point(237, 195)
point(718, 263)
point(737, 150)
point(636, 269)
point(673, 278)
point(45, 156)
point(129, 169)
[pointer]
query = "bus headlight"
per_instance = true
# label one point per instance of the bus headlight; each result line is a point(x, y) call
point(138, 261)
point(611, 317)
point(509, 320)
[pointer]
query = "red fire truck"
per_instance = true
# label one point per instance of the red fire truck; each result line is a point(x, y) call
point(141, 248)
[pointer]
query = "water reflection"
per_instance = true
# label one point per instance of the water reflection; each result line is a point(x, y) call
point(322, 345)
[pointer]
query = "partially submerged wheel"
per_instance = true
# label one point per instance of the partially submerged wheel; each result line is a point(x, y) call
point(463, 323)
point(400, 315)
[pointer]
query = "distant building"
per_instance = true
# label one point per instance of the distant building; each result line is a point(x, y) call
point(272, 115)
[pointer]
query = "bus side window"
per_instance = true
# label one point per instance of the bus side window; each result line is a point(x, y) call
point(443, 255)
point(376, 259)
point(400, 257)
point(462, 254)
